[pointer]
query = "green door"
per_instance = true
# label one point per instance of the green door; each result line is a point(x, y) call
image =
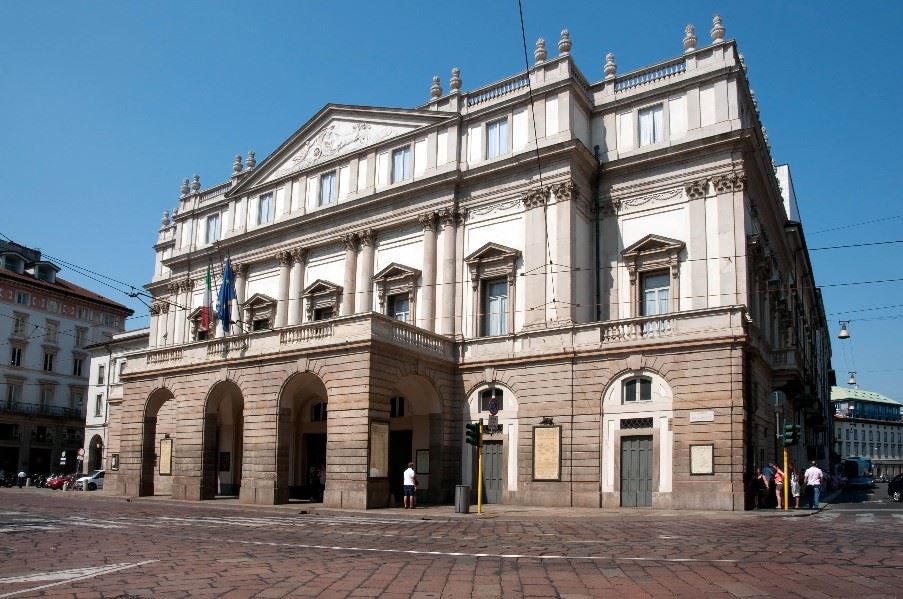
point(492, 471)
point(636, 471)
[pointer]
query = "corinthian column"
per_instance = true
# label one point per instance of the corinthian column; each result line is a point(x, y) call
point(535, 257)
point(241, 283)
point(285, 265)
point(350, 241)
point(365, 271)
point(299, 257)
point(173, 313)
point(447, 220)
point(428, 291)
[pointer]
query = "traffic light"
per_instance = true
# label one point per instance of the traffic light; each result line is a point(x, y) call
point(472, 433)
point(791, 434)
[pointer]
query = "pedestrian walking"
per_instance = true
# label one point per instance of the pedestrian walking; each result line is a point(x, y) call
point(813, 477)
point(768, 473)
point(778, 485)
point(795, 486)
point(409, 483)
point(22, 478)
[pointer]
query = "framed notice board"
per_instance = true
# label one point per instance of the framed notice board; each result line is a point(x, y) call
point(547, 453)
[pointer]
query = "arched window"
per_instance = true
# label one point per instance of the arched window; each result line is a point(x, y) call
point(637, 389)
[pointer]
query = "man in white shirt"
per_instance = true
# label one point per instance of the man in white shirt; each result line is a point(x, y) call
point(813, 477)
point(410, 487)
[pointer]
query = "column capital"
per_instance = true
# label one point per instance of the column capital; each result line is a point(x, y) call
point(428, 221)
point(300, 255)
point(284, 258)
point(449, 217)
point(733, 181)
point(367, 238)
point(350, 241)
point(187, 284)
point(174, 287)
point(564, 191)
point(697, 190)
point(240, 269)
point(534, 198)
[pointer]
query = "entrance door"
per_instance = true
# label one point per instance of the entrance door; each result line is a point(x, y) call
point(636, 471)
point(492, 471)
point(400, 443)
point(315, 452)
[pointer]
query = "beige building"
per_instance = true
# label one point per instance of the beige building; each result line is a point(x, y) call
point(618, 264)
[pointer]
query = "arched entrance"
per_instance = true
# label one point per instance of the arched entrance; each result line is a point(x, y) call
point(415, 425)
point(301, 448)
point(500, 474)
point(223, 439)
point(156, 455)
point(95, 454)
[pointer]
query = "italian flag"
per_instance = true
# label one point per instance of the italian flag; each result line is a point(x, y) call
point(207, 307)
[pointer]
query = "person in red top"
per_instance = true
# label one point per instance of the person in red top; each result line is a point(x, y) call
point(778, 484)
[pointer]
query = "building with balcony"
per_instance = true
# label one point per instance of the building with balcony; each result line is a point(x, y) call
point(107, 363)
point(46, 324)
point(869, 425)
point(616, 268)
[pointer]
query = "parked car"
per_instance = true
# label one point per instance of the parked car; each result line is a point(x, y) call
point(94, 481)
point(61, 481)
point(895, 488)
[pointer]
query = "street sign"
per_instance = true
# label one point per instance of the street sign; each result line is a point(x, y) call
point(493, 407)
point(493, 423)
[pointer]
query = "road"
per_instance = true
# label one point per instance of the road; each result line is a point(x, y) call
point(88, 545)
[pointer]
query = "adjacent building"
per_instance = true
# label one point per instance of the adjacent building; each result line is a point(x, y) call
point(46, 324)
point(869, 425)
point(612, 275)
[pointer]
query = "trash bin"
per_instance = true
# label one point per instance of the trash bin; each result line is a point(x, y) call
point(462, 499)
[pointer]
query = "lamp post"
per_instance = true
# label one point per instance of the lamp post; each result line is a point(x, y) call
point(844, 332)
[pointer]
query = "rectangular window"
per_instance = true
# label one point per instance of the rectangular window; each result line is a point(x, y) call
point(46, 397)
point(48, 362)
point(98, 405)
point(51, 331)
point(497, 138)
point(120, 372)
point(488, 395)
point(260, 324)
point(329, 191)
point(401, 164)
point(101, 374)
point(495, 307)
point(76, 366)
point(53, 306)
point(323, 313)
point(656, 293)
point(75, 400)
point(641, 385)
point(265, 208)
point(21, 298)
point(651, 125)
point(13, 393)
point(396, 407)
point(20, 324)
point(81, 337)
point(400, 307)
point(15, 356)
point(212, 229)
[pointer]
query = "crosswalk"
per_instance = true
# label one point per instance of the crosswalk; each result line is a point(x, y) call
point(861, 517)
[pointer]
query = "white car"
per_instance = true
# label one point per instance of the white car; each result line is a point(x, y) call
point(93, 480)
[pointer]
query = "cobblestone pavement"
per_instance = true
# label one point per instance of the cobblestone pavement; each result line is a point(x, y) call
point(56, 544)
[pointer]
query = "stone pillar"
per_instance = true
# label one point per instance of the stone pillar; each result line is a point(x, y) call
point(535, 258)
point(364, 301)
point(563, 199)
point(428, 291)
point(154, 323)
point(285, 264)
point(241, 283)
point(173, 313)
point(447, 220)
point(350, 241)
point(299, 257)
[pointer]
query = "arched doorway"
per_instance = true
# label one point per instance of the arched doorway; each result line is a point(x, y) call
point(156, 455)
point(415, 425)
point(301, 449)
point(500, 449)
point(223, 440)
point(95, 454)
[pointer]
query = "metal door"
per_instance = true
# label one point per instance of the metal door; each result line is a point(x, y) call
point(636, 471)
point(492, 471)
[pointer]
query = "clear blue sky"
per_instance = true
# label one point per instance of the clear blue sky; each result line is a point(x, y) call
point(107, 106)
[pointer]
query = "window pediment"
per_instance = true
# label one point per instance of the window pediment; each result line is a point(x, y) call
point(322, 286)
point(492, 260)
point(396, 271)
point(322, 294)
point(259, 301)
point(396, 279)
point(653, 244)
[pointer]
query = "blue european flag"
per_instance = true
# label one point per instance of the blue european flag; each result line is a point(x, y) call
point(225, 296)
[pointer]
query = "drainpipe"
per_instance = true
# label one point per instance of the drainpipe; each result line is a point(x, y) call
point(598, 258)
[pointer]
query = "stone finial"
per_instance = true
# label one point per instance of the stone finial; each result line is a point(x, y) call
point(436, 88)
point(185, 188)
point(689, 38)
point(165, 220)
point(196, 183)
point(743, 62)
point(236, 164)
point(611, 68)
point(251, 162)
point(717, 31)
point(564, 43)
point(755, 102)
point(455, 82)
point(539, 54)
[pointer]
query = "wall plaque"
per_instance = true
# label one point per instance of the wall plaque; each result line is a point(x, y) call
point(702, 416)
point(702, 459)
point(423, 461)
point(165, 457)
point(546, 453)
point(379, 449)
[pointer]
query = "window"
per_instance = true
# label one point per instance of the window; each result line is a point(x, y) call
point(396, 407)
point(46, 397)
point(656, 293)
point(400, 307)
point(84, 313)
point(13, 393)
point(848, 434)
point(101, 374)
point(48, 361)
point(51, 331)
point(329, 191)
point(21, 298)
point(265, 208)
point(497, 138)
point(651, 125)
point(53, 306)
point(260, 324)
point(120, 371)
point(81, 337)
point(323, 313)
point(401, 164)
point(855, 434)
point(318, 412)
point(20, 323)
point(98, 405)
point(110, 320)
point(75, 400)
point(495, 307)
point(15, 356)
point(76, 366)
point(488, 395)
point(638, 389)
point(212, 228)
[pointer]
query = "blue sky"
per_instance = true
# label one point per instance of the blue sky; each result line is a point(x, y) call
point(107, 106)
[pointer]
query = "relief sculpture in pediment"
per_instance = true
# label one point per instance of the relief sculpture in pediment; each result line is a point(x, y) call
point(336, 138)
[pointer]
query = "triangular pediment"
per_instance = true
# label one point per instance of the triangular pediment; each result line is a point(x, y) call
point(492, 251)
point(337, 131)
point(653, 243)
point(396, 271)
point(259, 299)
point(322, 286)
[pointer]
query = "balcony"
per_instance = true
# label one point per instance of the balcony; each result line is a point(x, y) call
point(38, 410)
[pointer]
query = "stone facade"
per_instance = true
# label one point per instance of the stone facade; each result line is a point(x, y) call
point(614, 265)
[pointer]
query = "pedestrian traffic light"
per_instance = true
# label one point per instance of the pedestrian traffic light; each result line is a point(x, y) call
point(472, 433)
point(791, 434)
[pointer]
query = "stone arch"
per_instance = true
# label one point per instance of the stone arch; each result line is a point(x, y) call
point(301, 436)
point(149, 483)
point(95, 454)
point(509, 421)
point(223, 439)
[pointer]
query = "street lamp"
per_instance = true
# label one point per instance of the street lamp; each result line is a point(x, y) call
point(844, 332)
point(852, 380)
